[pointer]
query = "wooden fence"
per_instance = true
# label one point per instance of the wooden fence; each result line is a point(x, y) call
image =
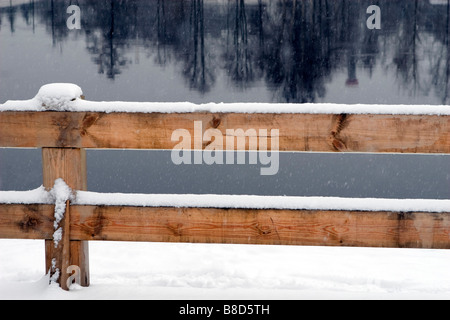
point(64, 137)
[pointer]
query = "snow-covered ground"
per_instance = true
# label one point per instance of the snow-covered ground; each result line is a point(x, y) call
point(221, 272)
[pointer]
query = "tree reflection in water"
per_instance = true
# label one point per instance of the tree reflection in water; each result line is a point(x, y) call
point(294, 47)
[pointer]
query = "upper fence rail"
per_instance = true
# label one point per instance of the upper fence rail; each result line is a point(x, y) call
point(295, 127)
point(297, 132)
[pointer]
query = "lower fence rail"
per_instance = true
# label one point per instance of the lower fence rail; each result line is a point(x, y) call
point(211, 225)
point(234, 226)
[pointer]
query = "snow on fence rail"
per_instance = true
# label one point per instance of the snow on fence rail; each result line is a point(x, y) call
point(64, 125)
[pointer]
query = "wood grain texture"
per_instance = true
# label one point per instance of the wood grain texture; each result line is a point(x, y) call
point(26, 221)
point(234, 226)
point(65, 252)
point(79, 255)
point(270, 227)
point(297, 132)
point(69, 165)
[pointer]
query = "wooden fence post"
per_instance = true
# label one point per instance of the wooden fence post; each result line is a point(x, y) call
point(69, 165)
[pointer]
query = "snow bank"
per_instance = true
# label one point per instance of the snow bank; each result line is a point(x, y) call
point(261, 202)
point(66, 97)
point(61, 193)
point(51, 97)
point(309, 108)
point(57, 96)
point(37, 196)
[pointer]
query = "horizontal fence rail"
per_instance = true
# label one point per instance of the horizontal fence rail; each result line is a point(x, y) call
point(297, 132)
point(234, 226)
point(64, 136)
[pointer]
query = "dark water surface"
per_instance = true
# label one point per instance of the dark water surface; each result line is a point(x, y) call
point(234, 51)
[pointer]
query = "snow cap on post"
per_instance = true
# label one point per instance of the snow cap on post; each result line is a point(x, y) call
point(58, 96)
